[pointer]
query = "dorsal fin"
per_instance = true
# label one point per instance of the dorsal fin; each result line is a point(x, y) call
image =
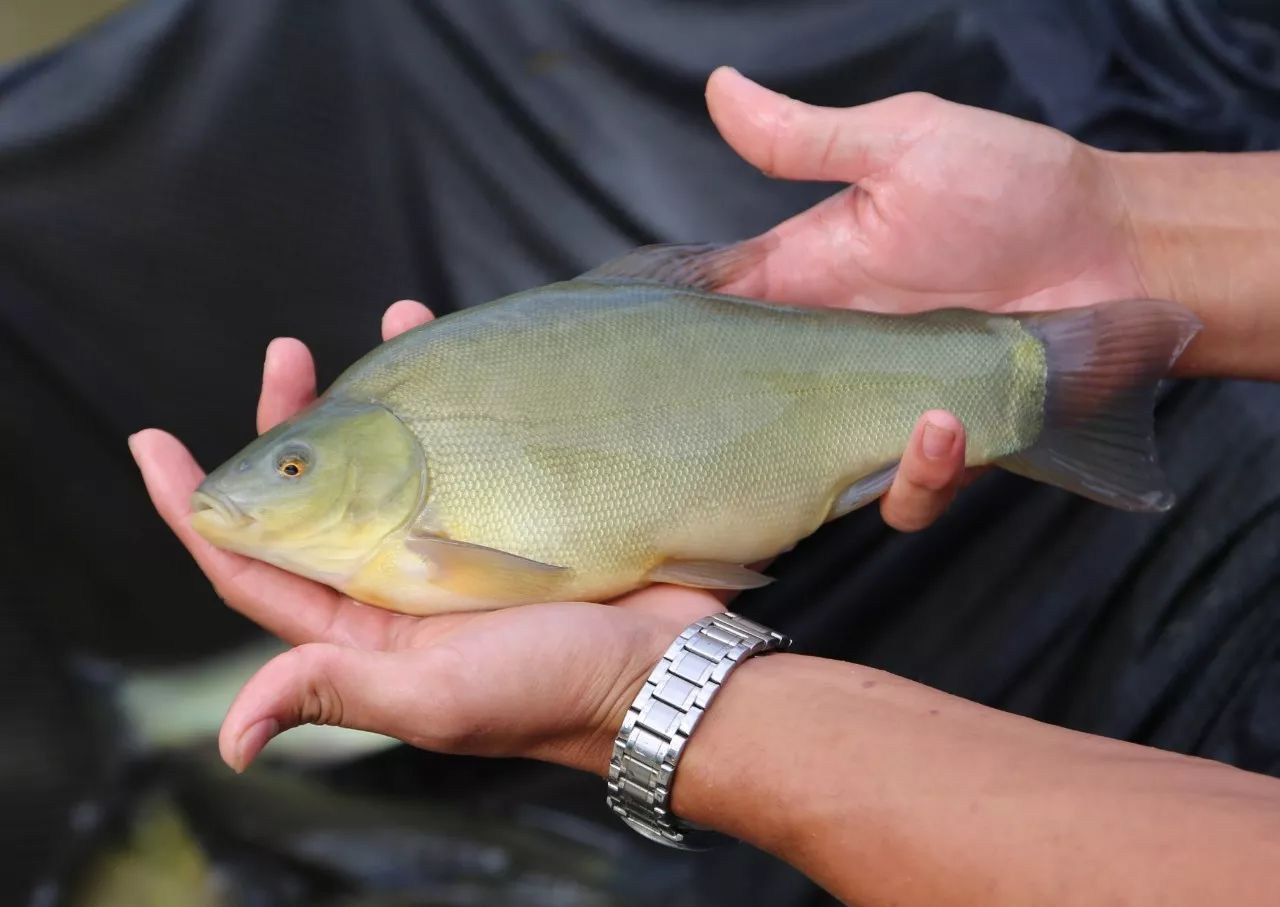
point(703, 266)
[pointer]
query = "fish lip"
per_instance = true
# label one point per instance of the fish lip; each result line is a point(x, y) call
point(228, 511)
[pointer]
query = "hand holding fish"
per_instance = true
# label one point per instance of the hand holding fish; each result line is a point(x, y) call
point(652, 421)
point(951, 205)
point(939, 212)
point(462, 683)
point(859, 779)
point(427, 681)
point(799, 757)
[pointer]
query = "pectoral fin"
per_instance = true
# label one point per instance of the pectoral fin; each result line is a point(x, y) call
point(863, 491)
point(480, 572)
point(708, 575)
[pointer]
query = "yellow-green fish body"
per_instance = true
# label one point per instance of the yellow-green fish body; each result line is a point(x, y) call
point(583, 439)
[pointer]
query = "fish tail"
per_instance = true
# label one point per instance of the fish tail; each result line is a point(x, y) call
point(1104, 364)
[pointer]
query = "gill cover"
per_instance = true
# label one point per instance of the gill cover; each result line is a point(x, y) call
point(318, 493)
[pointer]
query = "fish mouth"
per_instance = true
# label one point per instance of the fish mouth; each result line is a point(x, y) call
point(206, 503)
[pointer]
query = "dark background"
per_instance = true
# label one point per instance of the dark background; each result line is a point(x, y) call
point(189, 179)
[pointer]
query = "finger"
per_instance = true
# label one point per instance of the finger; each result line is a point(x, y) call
point(793, 140)
point(287, 605)
point(404, 316)
point(288, 382)
point(930, 473)
point(321, 684)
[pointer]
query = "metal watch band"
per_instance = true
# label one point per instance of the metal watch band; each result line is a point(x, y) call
point(664, 714)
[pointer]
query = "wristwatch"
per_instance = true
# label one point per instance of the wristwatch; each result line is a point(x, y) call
point(664, 714)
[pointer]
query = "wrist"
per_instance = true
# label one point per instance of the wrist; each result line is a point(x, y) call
point(1203, 230)
point(589, 744)
point(665, 715)
point(725, 781)
point(709, 781)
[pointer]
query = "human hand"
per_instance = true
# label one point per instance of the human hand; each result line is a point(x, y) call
point(948, 206)
point(546, 681)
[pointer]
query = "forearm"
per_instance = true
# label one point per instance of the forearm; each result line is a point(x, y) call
point(1206, 231)
point(887, 792)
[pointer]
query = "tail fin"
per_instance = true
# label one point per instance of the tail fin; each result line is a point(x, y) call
point(1104, 364)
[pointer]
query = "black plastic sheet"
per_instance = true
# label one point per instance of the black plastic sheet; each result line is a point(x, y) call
point(192, 179)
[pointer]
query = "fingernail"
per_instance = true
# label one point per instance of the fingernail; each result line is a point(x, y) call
point(936, 441)
point(253, 740)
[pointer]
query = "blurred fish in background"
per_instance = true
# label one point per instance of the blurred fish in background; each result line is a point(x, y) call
point(183, 707)
point(193, 834)
point(173, 826)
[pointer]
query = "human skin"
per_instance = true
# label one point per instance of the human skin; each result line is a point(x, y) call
point(880, 789)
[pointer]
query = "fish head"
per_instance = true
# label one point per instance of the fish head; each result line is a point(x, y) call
point(317, 494)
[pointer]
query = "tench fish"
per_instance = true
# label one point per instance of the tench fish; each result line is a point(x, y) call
point(633, 426)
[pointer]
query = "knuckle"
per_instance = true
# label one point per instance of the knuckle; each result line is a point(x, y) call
point(901, 522)
point(908, 525)
point(919, 477)
point(319, 698)
point(228, 596)
point(830, 148)
point(911, 510)
point(445, 664)
point(919, 103)
point(785, 132)
point(228, 585)
point(931, 480)
point(224, 589)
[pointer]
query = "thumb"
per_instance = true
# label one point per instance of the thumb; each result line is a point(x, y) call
point(317, 683)
point(793, 140)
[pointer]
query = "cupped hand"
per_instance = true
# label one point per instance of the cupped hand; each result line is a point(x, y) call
point(548, 681)
point(946, 205)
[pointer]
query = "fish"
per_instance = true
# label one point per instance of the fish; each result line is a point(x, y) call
point(184, 832)
point(160, 861)
point(635, 425)
point(173, 708)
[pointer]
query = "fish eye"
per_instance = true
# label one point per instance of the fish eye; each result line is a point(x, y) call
point(291, 464)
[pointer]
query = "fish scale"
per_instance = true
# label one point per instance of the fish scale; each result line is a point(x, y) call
point(620, 426)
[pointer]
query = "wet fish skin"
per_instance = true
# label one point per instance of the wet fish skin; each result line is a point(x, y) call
point(582, 439)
